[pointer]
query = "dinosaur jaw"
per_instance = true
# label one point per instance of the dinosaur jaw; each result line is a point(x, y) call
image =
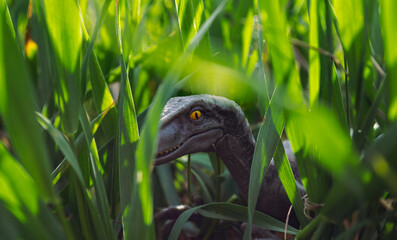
point(201, 142)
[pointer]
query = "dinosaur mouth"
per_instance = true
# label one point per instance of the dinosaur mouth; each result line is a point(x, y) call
point(166, 152)
point(200, 142)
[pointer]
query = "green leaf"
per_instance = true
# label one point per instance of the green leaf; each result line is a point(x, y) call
point(167, 184)
point(308, 129)
point(289, 183)
point(314, 56)
point(247, 32)
point(190, 19)
point(100, 191)
point(17, 106)
point(63, 145)
point(388, 18)
point(267, 139)
point(63, 21)
point(63, 166)
point(229, 212)
point(127, 135)
point(266, 144)
point(206, 193)
point(350, 28)
point(233, 212)
point(90, 47)
point(381, 157)
point(23, 213)
point(263, 83)
point(350, 20)
point(100, 90)
point(280, 50)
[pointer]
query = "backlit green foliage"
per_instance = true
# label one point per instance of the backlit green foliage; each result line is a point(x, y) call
point(83, 83)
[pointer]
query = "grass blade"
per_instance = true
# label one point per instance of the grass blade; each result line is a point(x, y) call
point(63, 145)
point(166, 180)
point(287, 179)
point(314, 56)
point(126, 136)
point(63, 22)
point(100, 90)
point(190, 18)
point(24, 214)
point(266, 145)
point(16, 90)
point(388, 18)
point(100, 191)
point(229, 212)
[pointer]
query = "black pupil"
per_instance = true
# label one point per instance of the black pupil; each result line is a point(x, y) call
point(196, 115)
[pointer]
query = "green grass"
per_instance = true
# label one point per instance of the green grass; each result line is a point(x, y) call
point(75, 163)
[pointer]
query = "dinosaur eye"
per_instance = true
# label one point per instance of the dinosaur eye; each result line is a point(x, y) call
point(195, 115)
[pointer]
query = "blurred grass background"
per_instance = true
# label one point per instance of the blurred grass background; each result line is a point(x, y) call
point(75, 157)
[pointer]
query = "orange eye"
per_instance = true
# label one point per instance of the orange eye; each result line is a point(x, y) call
point(195, 115)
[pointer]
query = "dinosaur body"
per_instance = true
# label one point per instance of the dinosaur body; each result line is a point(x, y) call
point(206, 123)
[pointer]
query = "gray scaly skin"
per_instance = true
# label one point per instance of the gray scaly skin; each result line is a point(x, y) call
point(222, 128)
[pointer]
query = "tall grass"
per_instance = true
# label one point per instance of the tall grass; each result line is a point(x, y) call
point(75, 161)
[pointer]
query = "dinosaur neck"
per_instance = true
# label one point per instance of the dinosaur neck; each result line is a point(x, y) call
point(236, 149)
point(237, 152)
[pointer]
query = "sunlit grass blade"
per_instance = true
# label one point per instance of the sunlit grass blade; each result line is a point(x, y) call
point(308, 129)
point(95, 123)
point(350, 23)
point(100, 192)
point(100, 91)
point(16, 90)
point(388, 18)
point(266, 144)
point(287, 179)
point(136, 24)
point(265, 147)
point(247, 33)
point(63, 144)
point(280, 50)
point(84, 66)
point(77, 175)
point(127, 135)
point(204, 27)
point(284, 72)
point(320, 64)
point(314, 56)
point(127, 132)
point(263, 83)
point(63, 21)
point(350, 27)
point(190, 17)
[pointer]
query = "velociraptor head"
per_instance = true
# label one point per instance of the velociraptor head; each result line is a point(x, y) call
point(194, 124)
